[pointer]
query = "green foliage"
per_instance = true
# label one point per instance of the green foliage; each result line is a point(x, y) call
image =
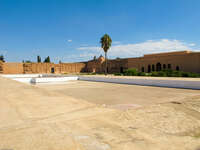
point(185, 74)
point(169, 72)
point(106, 42)
point(176, 74)
point(163, 73)
point(193, 75)
point(154, 74)
point(28, 61)
point(131, 72)
point(2, 58)
point(141, 74)
point(118, 74)
point(47, 60)
point(38, 59)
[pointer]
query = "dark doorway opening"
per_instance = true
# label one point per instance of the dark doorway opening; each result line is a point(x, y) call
point(149, 68)
point(158, 67)
point(1, 68)
point(121, 70)
point(164, 66)
point(169, 66)
point(153, 67)
point(52, 70)
point(142, 69)
point(177, 68)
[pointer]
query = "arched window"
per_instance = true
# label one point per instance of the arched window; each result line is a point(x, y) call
point(169, 66)
point(158, 67)
point(164, 66)
point(142, 69)
point(177, 68)
point(149, 68)
point(153, 67)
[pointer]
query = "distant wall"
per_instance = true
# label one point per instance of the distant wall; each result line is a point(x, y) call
point(72, 67)
point(183, 61)
point(13, 68)
point(54, 68)
point(188, 62)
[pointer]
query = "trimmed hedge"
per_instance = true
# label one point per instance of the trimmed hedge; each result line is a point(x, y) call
point(131, 72)
point(163, 73)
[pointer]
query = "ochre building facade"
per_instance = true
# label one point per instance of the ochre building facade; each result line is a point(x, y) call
point(187, 61)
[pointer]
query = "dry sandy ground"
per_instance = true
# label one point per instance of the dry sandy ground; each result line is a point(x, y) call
point(119, 94)
point(63, 117)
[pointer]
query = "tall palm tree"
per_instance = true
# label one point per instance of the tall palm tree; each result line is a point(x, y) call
point(106, 42)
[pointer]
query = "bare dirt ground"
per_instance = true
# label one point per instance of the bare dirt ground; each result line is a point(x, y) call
point(73, 117)
point(116, 94)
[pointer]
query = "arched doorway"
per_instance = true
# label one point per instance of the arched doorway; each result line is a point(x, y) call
point(52, 70)
point(121, 70)
point(158, 67)
point(153, 67)
point(177, 68)
point(142, 69)
point(1, 69)
point(149, 68)
point(164, 66)
point(169, 66)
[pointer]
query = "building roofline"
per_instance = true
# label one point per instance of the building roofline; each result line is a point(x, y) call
point(169, 53)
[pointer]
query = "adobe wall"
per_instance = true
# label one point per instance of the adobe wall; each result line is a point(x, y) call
point(57, 68)
point(95, 65)
point(185, 61)
point(117, 65)
point(72, 67)
point(1, 67)
point(13, 68)
point(188, 62)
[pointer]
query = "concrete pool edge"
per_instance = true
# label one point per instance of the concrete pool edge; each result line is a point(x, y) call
point(52, 78)
point(195, 85)
point(40, 78)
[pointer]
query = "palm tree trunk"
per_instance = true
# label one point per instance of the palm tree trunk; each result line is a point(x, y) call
point(106, 63)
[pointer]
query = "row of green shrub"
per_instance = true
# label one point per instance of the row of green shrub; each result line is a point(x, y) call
point(163, 73)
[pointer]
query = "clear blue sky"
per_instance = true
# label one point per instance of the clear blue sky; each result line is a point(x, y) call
point(69, 30)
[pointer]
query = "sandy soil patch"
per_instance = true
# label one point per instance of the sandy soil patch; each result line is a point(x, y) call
point(46, 118)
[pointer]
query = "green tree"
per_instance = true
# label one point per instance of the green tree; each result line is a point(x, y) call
point(2, 58)
point(106, 42)
point(28, 61)
point(47, 60)
point(38, 59)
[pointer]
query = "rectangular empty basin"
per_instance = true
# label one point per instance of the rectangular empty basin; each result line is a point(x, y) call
point(52, 79)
